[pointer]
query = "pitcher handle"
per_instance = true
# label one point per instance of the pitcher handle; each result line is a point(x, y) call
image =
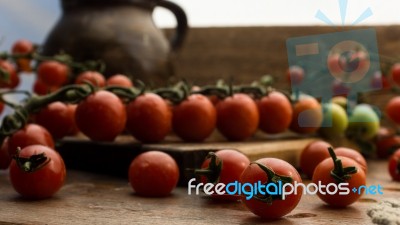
point(182, 27)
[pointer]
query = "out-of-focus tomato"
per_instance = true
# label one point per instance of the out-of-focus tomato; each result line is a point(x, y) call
point(31, 134)
point(119, 80)
point(13, 79)
point(307, 116)
point(95, 78)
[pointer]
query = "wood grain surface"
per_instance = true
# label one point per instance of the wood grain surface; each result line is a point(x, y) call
point(97, 199)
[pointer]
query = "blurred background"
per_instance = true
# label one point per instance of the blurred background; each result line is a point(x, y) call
point(33, 20)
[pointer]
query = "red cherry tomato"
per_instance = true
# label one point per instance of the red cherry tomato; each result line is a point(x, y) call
point(5, 158)
point(271, 206)
point(354, 155)
point(393, 109)
point(101, 116)
point(194, 119)
point(149, 118)
point(275, 113)
point(394, 165)
point(312, 155)
point(153, 174)
point(43, 177)
point(237, 117)
point(58, 118)
point(31, 134)
point(53, 73)
point(13, 80)
point(307, 116)
point(41, 88)
point(395, 72)
point(95, 78)
point(323, 175)
point(23, 47)
point(224, 166)
point(119, 80)
point(295, 75)
point(386, 146)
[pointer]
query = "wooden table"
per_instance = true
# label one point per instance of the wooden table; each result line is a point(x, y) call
point(97, 199)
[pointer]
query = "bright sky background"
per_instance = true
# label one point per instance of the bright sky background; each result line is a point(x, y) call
point(32, 19)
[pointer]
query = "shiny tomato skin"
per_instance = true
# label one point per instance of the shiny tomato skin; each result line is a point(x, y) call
point(5, 158)
point(312, 116)
point(312, 155)
point(149, 118)
point(275, 113)
point(194, 119)
point(354, 155)
point(95, 78)
point(53, 73)
point(31, 134)
point(14, 80)
point(394, 166)
point(233, 165)
point(393, 109)
point(101, 116)
point(237, 117)
point(322, 174)
point(119, 80)
point(58, 118)
point(153, 174)
point(253, 173)
point(42, 183)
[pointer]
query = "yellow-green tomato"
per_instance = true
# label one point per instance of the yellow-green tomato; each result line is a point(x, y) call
point(340, 100)
point(363, 122)
point(335, 120)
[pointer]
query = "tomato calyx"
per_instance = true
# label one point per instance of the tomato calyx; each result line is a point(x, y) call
point(273, 178)
point(32, 163)
point(340, 173)
point(213, 171)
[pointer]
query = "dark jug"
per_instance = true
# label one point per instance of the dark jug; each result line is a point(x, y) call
point(121, 33)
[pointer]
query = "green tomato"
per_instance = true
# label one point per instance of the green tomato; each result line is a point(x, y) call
point(335, 120)
point(363, 123)
point(340, 100)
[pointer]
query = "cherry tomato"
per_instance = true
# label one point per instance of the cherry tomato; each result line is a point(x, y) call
point(53, 73)
point(42, 177)
point(395, 72)
point(58, 118)
point(393, 109)
point(224, 166)
point(119, 80)
point(386, 146)
point(269, 171)
point(13, 80)
point(41, 88)
point(237, 117)
point(312, 155)
point(153, 174)
point(295, 75)
point(275, 113)
point(307, 116)
point(23, 47)
point(394, 165)
point(149, 118)
point(355, 178)
point(101, 116)
point(5, 158)
point(194, 119)
point(354, 155)
point(95, 78)
point(31, 134)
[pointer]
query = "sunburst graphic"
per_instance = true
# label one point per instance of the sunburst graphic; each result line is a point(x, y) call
point(343, 11)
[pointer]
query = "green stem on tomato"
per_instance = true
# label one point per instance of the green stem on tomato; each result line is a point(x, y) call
point(213, 171)
point(31, 164)
point(340, 173)
point(272, 178)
